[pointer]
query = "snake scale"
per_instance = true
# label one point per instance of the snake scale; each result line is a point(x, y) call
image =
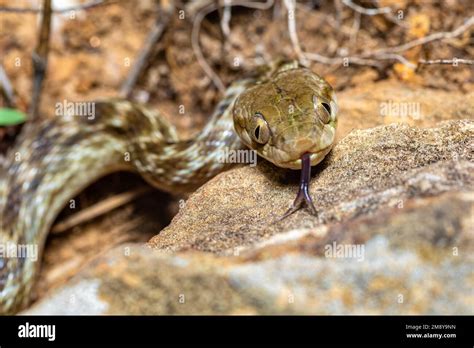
point(283, 111)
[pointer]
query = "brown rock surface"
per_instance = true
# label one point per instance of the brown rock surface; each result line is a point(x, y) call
point(396, 271)
point(368, 170)
point(394, 235)
point(390, 101)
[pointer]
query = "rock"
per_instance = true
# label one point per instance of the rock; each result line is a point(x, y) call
point(161, 283)
point(368, 170)
point(394, 235)
point(385, 102)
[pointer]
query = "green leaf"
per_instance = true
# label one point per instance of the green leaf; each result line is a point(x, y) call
point(11, 117)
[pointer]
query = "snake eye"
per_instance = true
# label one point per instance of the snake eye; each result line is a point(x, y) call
point(261, 131)
point(323, 110)
point(327, 107)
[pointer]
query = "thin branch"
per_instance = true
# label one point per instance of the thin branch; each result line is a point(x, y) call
point(40, 58)
point(290, 7)
point(225, 13)
point(385, 11)
point(197, 48)
point(424, 40)
point(303, 57)
point(393, 56)
point(355, 28)
point(6, 88)
point(153, 37)
point(193, 7)
point(197, 27)
point(341, 60)
point(85, 6)
point(371, 58)
point(99, 209)
point(226, 16)
point(453, 61)
point(367, 11)
point(358, 60)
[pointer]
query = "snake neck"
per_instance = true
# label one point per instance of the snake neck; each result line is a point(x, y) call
point(182, 166)
point(54, 160)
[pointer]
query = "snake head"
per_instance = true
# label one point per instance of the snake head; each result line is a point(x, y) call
point(289, 114)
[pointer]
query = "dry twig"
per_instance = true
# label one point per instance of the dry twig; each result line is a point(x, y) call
point(291, 7)
point(6, 88)
point(143, 58)
point(371, 58)
point(366, 11)
point(226, 16)
point(99, 209)
point(426, 39)
point(40, 58)
point(355, 28)
point(453, 61)
point(199, 17)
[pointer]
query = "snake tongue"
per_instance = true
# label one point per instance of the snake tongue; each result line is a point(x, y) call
point(303, 195)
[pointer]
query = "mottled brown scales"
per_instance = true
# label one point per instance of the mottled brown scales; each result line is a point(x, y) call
point(56, 159)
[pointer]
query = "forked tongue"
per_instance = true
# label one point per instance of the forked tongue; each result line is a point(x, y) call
point(303, 195)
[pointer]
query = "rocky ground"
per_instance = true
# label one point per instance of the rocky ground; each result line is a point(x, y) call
point(400, 197)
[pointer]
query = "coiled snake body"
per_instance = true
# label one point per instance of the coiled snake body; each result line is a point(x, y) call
point(285, 112)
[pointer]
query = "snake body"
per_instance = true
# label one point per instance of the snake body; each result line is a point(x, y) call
point(283, 111)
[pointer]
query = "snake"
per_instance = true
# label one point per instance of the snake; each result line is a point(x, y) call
point(283, 111)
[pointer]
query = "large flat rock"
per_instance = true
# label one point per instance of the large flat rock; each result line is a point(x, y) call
point(393, 235)
point(367, 171)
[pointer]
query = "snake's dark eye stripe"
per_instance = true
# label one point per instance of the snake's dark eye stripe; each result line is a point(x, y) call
point(327, 107)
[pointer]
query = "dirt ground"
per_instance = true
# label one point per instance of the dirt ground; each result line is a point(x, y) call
point(93, 50)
